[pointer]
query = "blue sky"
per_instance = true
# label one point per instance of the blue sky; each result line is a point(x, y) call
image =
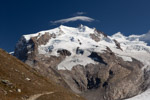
point(18, 17)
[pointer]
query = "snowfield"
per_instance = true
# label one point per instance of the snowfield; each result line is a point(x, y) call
point(70, 38)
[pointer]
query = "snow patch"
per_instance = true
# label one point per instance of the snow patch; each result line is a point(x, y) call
point(143, 96)
point(126, 58)
point(12, 53)
point(69, 62)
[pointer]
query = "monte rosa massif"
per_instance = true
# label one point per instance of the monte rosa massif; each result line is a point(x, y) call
point(89, 62)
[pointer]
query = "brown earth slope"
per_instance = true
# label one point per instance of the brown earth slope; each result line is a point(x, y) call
point(18, 81)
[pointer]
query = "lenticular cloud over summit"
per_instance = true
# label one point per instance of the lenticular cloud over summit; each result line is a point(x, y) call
point(72, 19)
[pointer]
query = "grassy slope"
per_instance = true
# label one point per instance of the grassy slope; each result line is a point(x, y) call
point(16, 72)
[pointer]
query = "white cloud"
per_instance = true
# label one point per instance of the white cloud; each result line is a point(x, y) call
point(80, 13)
point(146, 37)
point(72, 19)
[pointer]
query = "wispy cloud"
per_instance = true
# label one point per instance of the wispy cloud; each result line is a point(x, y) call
point(146, 37)
point(72, 19)
point(80, 13)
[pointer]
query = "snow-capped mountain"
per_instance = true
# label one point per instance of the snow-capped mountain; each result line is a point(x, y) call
point(88, 61)
point(68, 38)
point(89, 39)
point(133, 46)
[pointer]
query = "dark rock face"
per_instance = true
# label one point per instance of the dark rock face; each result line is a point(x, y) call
point(115, 81)
point(117, 44)
point(94, 37)
point(64, 52)
point(79, 51)
point(97, 36)
point(45, 38)
point(96, 57)
point(26, 49)
point(100, 32)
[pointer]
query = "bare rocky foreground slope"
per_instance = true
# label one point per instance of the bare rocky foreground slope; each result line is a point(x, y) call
point(88, 62)
point(18, 81)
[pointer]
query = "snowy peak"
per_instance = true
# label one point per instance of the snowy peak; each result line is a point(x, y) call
point(70, 39)
point(81, 31)
point(119, 36)
point(63, 29)
point(85, 37)
point(139, 38)
point(82, 39)
point(76, 42)
point(82, 28)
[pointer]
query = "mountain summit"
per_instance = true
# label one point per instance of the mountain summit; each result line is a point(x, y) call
point(88, 61)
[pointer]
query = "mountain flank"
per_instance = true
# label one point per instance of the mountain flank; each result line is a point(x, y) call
point(18, 81)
